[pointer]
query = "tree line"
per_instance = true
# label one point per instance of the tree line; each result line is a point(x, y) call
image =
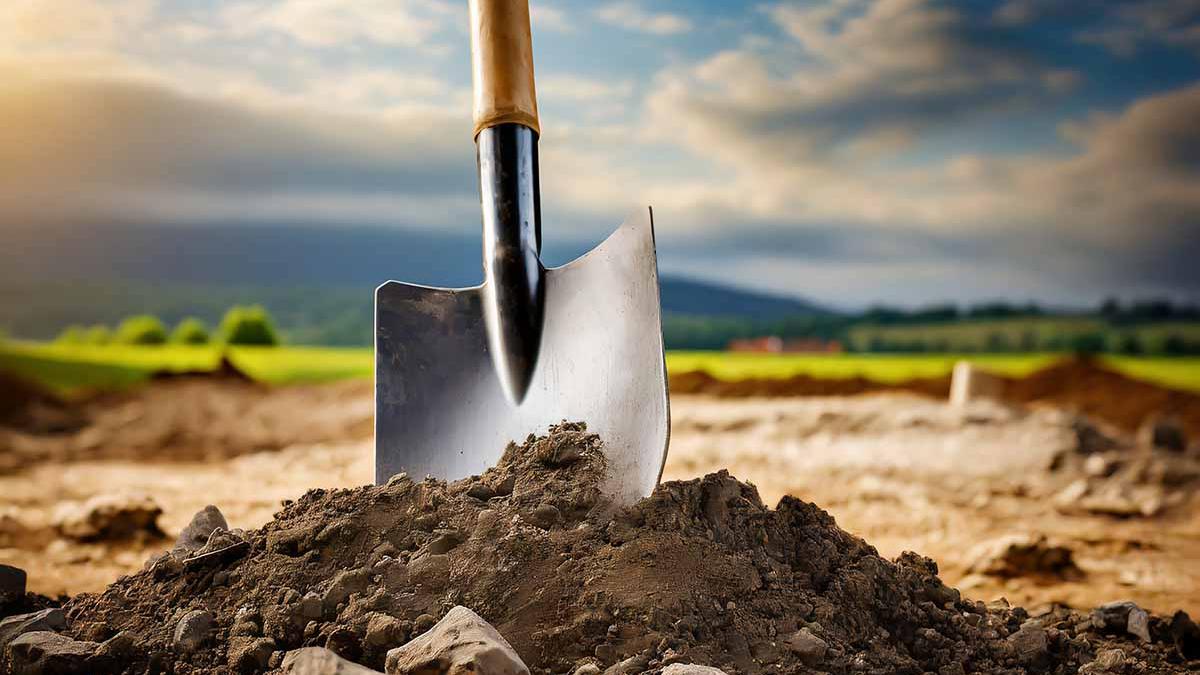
point(241, 325)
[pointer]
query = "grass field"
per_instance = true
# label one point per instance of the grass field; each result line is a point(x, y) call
point(69, 368)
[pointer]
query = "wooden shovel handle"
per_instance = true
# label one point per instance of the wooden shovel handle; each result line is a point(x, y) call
point(502, 64)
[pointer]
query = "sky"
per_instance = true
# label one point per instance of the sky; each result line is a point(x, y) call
point(855, 151)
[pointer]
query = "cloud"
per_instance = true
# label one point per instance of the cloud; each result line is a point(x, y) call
point(64, 25)
point(632, 16)
point(336, 23)
point(84, 148)
point(549, 17)
point(1126, 27)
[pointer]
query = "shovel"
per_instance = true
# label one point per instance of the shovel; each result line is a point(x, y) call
point(460, 372)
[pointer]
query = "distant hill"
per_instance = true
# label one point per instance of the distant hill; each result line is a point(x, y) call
point(698, 298)
point(317, 281)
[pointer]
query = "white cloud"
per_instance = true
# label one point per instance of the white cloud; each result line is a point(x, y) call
point(632, 16)
point(66, 25)
point(337, 23)
point(549, 17)
point(582, 89)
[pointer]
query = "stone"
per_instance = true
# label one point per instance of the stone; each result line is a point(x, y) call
point(310, 606)
point(12, 584)
point(108, 517)
point(461, 643)
point(807, 646)
point(249, 654)
point(691, 669)
point(11, 627)
point(969, 383)
point(344, 584)
point(192, 630)
point(196, 534)
point(588, 668)
point(321, 661)
point(45, 652)
point(383, 631)
point(1030, 644)
point(545, 516)
point(223, 546)
point(1122, 617)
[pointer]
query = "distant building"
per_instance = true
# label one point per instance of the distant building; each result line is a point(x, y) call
point(770, 344)
point(773, 344)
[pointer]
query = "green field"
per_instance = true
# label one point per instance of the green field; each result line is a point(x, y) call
point(71, 368)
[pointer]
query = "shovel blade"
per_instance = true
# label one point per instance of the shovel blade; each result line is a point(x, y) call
point(439, 406)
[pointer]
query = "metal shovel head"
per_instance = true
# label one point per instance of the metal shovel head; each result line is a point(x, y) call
point(439, 406)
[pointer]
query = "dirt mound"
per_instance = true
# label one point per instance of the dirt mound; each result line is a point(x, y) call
point(25, 406)
point(1091, 389)
point(701, 382)
point(195, 417)
point(1082, 385)
point(699, 572)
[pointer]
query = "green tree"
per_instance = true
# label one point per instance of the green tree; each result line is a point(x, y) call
point(143, 329)
point(248, 326)
point(190, 331)
point(71, 335)
point(97, 335)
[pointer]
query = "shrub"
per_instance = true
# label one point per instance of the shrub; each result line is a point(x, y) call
point(97, 335)
point(141, 330)
point(71, 335)
point(190, 331)
point(248, 326)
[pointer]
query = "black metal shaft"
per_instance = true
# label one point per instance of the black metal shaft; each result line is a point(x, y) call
point(514, 293)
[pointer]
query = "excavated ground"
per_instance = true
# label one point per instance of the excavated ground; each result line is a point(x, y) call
point(700, 572)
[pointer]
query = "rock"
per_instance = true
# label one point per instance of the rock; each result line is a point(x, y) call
point(691, 669)
point(321, 661)
point(807, 646)
point(383, 631)
point(1090, 439)
point(345, 643)
point(196, 534)
point(12, 584)
point(1122, 617)
point(588, 668)
point(113, 516)
point(1138, 624)
point(1024, 555)
point(1099, 466)
point(630, 666)
point(310, 606)
point(460, 644)
point(1162, 433)
point(11, 627)
point(1106, 661)
point(445, 541)
point(545, 516)
point(345, 583)
point(250, 655)
point(481, 491)
point(47, 653)
point(192, 630)
point(1186, 635)
point(1029, 644)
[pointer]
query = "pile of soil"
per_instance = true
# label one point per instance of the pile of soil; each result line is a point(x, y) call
point(701, 572)
point(1081, 385)
point(1088, 388)
point(196, 417)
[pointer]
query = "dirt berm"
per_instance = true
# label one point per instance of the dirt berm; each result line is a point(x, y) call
point(700, 572)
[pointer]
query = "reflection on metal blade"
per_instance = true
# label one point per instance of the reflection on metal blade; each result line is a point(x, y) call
point(440, 410)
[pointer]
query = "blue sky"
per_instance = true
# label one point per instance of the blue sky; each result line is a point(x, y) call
point(859, 151)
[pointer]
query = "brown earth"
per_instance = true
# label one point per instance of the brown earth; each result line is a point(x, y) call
point(1078, 385)
point(699, 572)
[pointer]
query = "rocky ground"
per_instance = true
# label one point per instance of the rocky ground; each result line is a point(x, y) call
point(699, 573)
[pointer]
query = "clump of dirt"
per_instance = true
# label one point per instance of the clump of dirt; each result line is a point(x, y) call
point(699, 572)
point(196, 417)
